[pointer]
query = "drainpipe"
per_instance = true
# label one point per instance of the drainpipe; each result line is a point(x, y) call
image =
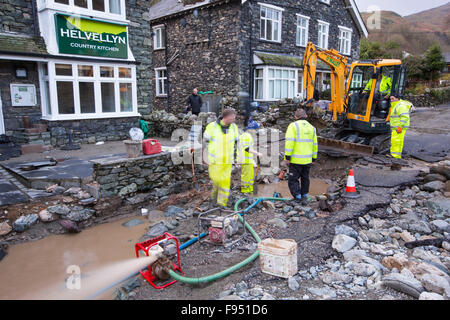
point(251, 73)
point(167, 67)
point(35, 19)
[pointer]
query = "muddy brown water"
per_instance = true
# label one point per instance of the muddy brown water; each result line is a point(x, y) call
point(38, 270)
point(317, 187)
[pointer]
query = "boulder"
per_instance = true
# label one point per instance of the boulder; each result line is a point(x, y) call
point(25, 222)
point(434, 186)
point(421, 227)
point(69, 226)
point(371, 235)
point(61, 210)
point(354, 254)
point(331, 277)
point(173, 210)
point(46, 216)
point(403, 284)
point(348, 231)
point(441, 225)
point(364, 269)
point(157, 230)
point(430, 296)
point(277, 222)
point(442, 170)
point(343, 243)
point(407, 237)
point(434, 177)
point(5, 228)
point(293, 284)
point(435, 283)
point(440, 206)
point(398, 261)
point(324, 292)
point(80, 214)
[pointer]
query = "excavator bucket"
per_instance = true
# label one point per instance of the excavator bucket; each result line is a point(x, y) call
point(344, 147)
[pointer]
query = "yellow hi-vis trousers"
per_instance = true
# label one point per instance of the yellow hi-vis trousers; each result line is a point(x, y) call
point(397, 140)
point(247, 178)
point(220, 175)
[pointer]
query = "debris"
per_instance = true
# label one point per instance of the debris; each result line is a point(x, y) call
point(46, 216)
point(293, 284)
point(324, 292)
point(277, 223)
point(343, 243)
point(430, 296)
point(348, 231)
point(25, 222)
point(435, 283)
point(69, 226)
point(157, 230)
point(403, 284)
point(5, 228)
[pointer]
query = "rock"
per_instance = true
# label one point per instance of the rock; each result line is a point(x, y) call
point(331, 277)
point(324, 292)
point(364, 269)
point(132, 223)
point(277, 222)
point(131, 284)
point(354, 254)
point(435, 283)
point(72, 191)
point(430, 296)
point(80, 214)
point(434, 186)
point(25, 222)
point(446, 245)
point(268, 205)
point(286, 209)
point(407, 273)
point(434, 177)
point(256, 292)
point(421, 227)
point(119, 294)
point(371, 235)
point(88, 201)
point(231, 297)
point(403, 284)
point(58, 190)
point(343, 243)
point(157, 230)
point(348, 231)
point(381, 250)
point(46, 216)
point(267, 296)
point(407, 237)
point(173, 210)
point(441, 225)
point(443, 170)
point(362, 222)
point(293, 284)
point(440, 206)
point(128, 189)
point(241, 287)
point(5, 228)
point(360, 281)
point(225, 293)
point(61, 210)
point(69, 226)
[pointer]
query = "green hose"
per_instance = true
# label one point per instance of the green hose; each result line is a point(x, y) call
point(238, 266)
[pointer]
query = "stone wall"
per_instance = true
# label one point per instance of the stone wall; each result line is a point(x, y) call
point(140, 43)
point(205, 55)
point(18, 16)
point(156, 175)
point(13, 116)
point(91, 131)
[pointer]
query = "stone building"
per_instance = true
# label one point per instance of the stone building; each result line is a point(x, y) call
point(73, 65)
point(223, 47)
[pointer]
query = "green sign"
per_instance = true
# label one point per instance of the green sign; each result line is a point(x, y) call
point(90, 37)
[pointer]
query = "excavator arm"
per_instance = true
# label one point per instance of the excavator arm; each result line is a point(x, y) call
point(339, 72)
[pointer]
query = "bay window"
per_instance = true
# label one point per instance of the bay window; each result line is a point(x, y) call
point(324, 28)
point(275, 83)
point(74, 91)
point(271, 18)
point(345, 40)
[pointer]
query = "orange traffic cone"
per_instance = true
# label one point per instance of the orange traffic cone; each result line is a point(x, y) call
point(350, 191)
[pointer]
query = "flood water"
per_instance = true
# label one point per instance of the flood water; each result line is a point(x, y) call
point(38, 270)
point(317, 187)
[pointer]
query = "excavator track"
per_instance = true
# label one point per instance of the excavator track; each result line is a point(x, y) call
point(346, 147)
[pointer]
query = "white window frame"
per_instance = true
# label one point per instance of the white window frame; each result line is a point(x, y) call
point(349, 31)
point(280, 22)
point(156, 45)
point(71, 8)
point(319, 34)
point(157, 78)
point(52, 79)
point(266, 82)
point(300, 28)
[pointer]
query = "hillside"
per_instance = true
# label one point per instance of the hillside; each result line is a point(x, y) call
point(415, 33)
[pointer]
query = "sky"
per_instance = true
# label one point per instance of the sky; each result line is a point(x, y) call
point(402, 7)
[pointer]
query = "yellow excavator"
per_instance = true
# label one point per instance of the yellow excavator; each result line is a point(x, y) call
point(360, 92)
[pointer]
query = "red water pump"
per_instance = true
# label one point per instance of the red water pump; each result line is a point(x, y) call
point(157, 271)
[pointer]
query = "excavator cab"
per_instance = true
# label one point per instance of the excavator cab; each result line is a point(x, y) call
point(368, 94)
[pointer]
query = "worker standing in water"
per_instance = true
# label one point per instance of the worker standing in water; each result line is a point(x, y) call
point(399, 122)
point(222, 137)
point(301, 150)
point(245, 156)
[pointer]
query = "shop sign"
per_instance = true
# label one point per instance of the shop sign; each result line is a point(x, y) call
point(88, 37)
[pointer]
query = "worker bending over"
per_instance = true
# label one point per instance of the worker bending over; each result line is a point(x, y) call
point(222, 137)
point(245, 156)
point(300, 151)
point(399, 122)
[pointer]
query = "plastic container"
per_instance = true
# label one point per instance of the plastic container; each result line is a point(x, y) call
point(151, 146)
point(278, 257)
point(134, 148)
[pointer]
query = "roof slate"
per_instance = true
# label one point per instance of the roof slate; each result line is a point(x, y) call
point(286, 60)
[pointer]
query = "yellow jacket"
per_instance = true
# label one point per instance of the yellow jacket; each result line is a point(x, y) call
point(221, 146)
point(400, 114)
point(301, 142)
point(245, 141)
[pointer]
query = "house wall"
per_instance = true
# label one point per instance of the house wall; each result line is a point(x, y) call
point(208, 55)
point(335, 14)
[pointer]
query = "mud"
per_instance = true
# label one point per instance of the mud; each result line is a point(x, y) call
point(317, 187)
point(38, 270)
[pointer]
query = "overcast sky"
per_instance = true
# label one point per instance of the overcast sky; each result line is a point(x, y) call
point(402, 7)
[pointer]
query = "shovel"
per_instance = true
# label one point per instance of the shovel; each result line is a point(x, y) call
point(194, 180)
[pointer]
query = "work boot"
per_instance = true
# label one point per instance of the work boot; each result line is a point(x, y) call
point(304, 200)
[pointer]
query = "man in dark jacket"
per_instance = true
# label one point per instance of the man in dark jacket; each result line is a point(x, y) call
point(194, 103)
